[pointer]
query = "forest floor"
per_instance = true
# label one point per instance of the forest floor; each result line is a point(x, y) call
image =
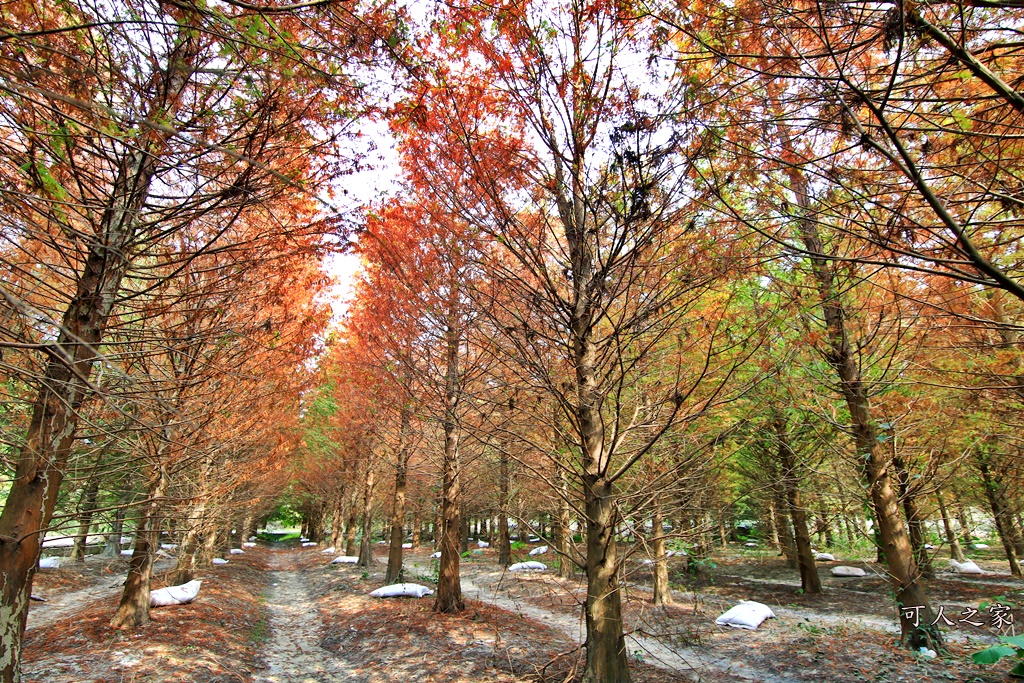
point(284, 615)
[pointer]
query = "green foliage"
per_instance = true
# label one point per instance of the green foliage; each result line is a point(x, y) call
point(1012, 645)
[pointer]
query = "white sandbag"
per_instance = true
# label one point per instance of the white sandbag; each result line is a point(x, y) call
point(407, 545)
point(49, 563)
point(648, 561)
point(675, 553)
point(328, 551)
point(127, 553)
point(345, 559)
point(175, 595)
point(848, 571)
point(747, 614)
point(824, 557)
point(219, 560)
point(929, 546)
point(967, 567)
point(249, 545)
point(168, 546)
point(528, 567)
point(402, 590)
point(539, 551)
point(534, 539)
point(302, 539)
point(436, 555)
point(252, 539)
point(237, 551)
point(483, 544)
point(751, 544)
point(309, 544)
point(980, 546)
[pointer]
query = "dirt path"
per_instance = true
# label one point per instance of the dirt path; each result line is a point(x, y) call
point(66, 605)
point(293, 653)
point(680, 660)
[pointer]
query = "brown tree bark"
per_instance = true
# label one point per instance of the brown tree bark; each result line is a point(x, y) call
point(42, 461)
point(504, 540)
point(915, 523)
point(394, 571)
point(785, 528)
point(87, 505)
point(809, 579)
point(903, 572)
point(955, 551)
point(366, 543)
point(449, 583)
point(996, 500)
point(662, 588)
point(133, 610)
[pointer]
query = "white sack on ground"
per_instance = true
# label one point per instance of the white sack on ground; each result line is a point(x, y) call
point(127, 553)
point(309, 544)
point(981, 546)
point(49, 563)
point(528, 567)
point(848, 571)
point(219, 560)
point(249, 545)
point(751, 544)
point(407, 545)
point(302, 539)
point(824, 557)
point(237, 551)
point(168, 546)
point(539, 551)
point(402, 590)
point(747, 614)
point(175, 595)
point(436, 555)
point(345, 559)
point(483, 544)
point(967, 567)
point(328, 551)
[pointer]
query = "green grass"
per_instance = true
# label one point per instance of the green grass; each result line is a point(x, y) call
point(278, 536)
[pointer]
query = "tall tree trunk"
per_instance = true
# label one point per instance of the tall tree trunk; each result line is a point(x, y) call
point(915, 524)
point(504, 541)
point(185, 571)
point(398, 504)
point(955, 551)
point(809, 579)
point(662, 588)
point(43, 459)
point(353, 517)
point(564, 540)
point(366, 543)
point(133, 611)
point(449, 583)
point(417, 527)
point(904, 576)
point(785, 527)
point(996, 500)
point(87, 505)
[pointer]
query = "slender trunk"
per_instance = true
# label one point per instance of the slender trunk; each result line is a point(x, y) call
point(662, 589)
point(1004, 525)
point(773, 525)
point(904, 577)
point(113, 546)
point(87, 505)
point(809, 579)
point(915, 524)
point(186, 554)
point(955, 551)
point(245, 531)
point(417, 523)
point(785, 527)
point(504, 541)
point(964, 517)
point(353, 516)
point(564, 541)
point(366, 543)
point(394, 572)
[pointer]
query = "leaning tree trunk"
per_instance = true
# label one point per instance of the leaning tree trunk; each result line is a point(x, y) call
point(133, 611)
point(65, 383)
point(996, 500)
point(809, 579)
point(394, 572)
point(915, 612)
point(87, 507)
point(662, 588)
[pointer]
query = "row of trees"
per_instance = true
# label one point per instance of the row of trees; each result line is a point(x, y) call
point(661, 262)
